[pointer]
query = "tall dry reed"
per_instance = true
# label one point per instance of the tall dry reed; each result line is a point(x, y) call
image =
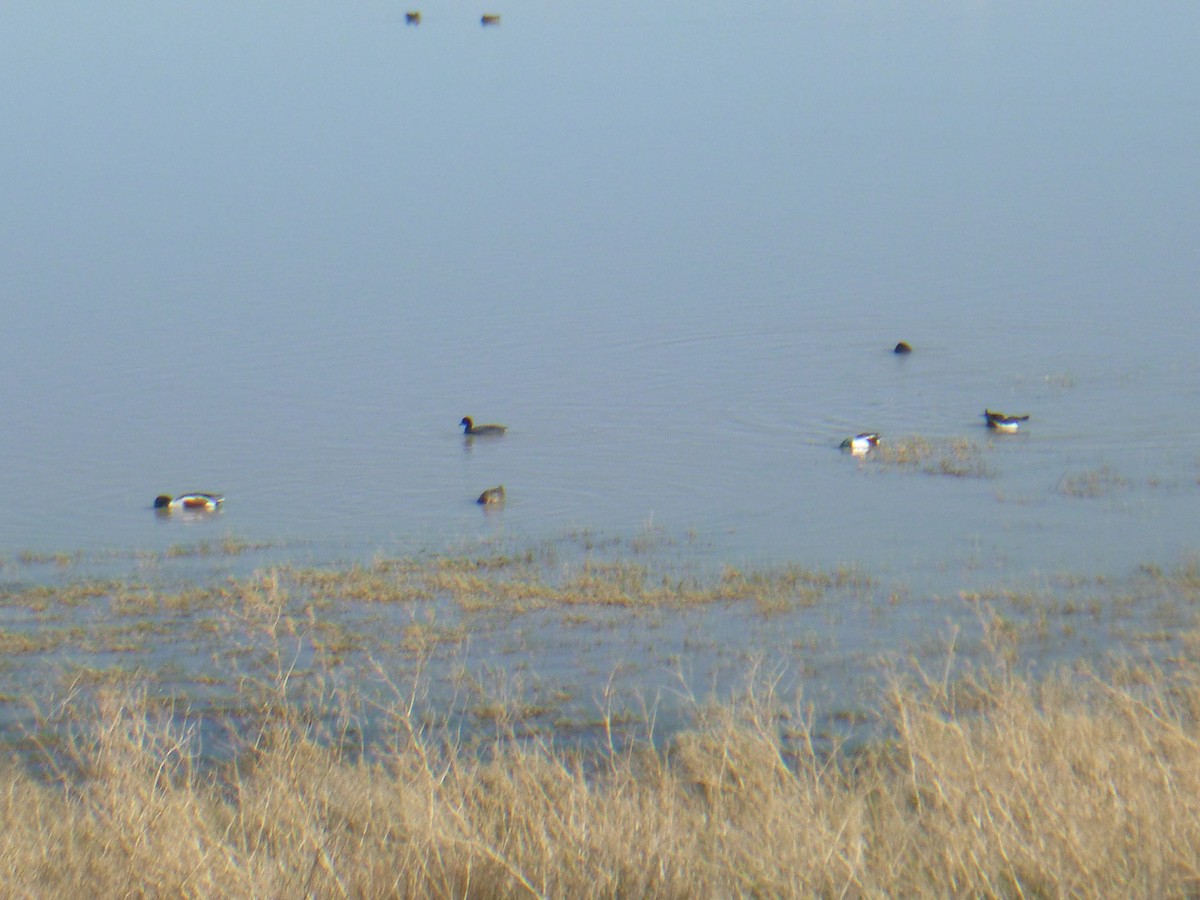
point(990, 785)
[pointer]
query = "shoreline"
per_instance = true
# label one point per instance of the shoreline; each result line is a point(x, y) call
point(991, 783)
point(560, 629)
point(585, 718)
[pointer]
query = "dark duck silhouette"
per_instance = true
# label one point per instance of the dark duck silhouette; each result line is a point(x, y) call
point(492, 496)
point(469, 427)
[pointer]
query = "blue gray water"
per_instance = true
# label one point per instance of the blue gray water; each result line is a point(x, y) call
point(279, 251)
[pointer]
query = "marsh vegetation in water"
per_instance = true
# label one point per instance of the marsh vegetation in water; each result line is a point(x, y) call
point(972, 773)
point(957, 456)
point(445, 709)
point(1092, 483)
point(552, 628)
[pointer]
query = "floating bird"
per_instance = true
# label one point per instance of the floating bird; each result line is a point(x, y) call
point(492, 495)
point(469, 427)
point(1002, 422)
point(490, 19)
point(412, 18)
point(860, 443)
point(903, 347)
point(194, 502)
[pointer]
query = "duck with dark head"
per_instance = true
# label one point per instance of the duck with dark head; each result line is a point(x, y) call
point(491, 496)
point(470, 428)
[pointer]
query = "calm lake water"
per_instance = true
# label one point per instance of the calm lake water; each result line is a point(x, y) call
point(279, 251)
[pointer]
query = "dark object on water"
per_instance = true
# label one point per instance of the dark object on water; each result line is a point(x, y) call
point(412, 18)
point(861, 443)
point(194, 502)
point(1002, 422)
point(469, 427)
point(490, 19)
point(492, 495)
point(903, 347)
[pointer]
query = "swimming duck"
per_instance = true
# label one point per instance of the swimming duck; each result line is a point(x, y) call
point(860, 443)
point(194, 502)
point(492, 495)
point(469, 427)
point(412, 18)
point(490, 19)
point(903, 347)
point(1002, 422)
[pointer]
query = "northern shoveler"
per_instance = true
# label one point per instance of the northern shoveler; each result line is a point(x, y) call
point(860, 443)
point(903, 347)
point(1002, 422)
point(492, 495)
point(412, 18)
point(469, 427)
point(490, 19)
point(194, 502)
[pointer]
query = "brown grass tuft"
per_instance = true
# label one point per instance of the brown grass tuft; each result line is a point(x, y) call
point(1092, 483)
point(957, 457)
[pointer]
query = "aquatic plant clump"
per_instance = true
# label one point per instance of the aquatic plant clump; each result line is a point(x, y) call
point(957, 457)
point(1091, 483)
point(522, 583)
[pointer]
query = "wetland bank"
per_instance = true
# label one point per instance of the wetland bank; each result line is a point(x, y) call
point(569, 635)
point(593, 716)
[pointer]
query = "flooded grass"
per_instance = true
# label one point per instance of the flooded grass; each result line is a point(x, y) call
point(1092, 483)
point(549, 721)
point(547, 605)
point(956, 457)
point(60, 559)
point(989, 783)
point(524, 583)
point(226, 546)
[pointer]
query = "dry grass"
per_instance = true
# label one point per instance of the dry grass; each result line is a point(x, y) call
point(305, 783)
point(993, 785)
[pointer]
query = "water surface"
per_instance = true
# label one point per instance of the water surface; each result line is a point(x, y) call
point(279, 252)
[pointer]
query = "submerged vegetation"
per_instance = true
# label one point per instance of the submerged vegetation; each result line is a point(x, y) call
point(957, 457)
point(1092, 483)
point(588, 718)
point(569, 614)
